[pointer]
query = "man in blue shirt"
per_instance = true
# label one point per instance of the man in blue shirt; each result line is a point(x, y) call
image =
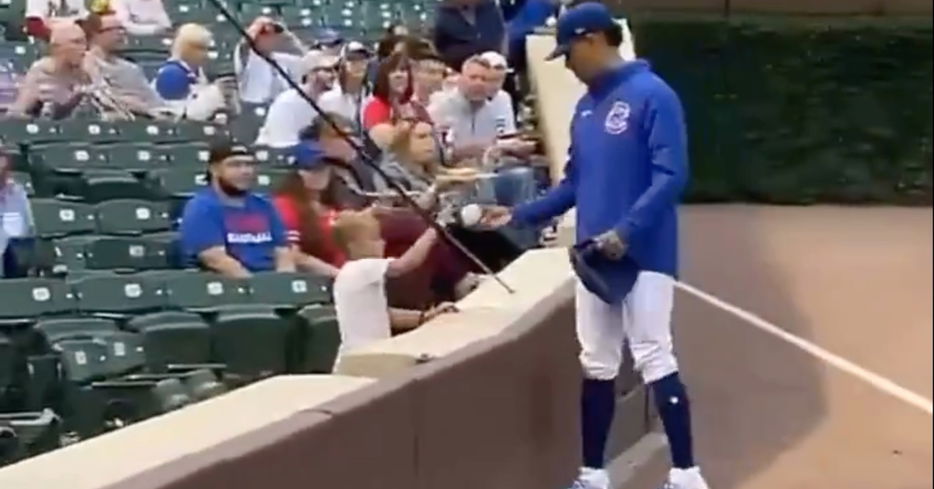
point(227, 228)
point(626, 170)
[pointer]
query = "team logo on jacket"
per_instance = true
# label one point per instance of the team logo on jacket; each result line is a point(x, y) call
point(617, 121)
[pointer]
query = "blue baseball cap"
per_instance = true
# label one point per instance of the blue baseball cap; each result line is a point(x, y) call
point(308, 155)
point(579, 21)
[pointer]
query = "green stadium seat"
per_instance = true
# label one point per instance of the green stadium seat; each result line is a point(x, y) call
point(173, 338)
point(179, 183)
point(134, 157)
point(118, 295)
point(43, 383)
point(125, 351)
point(8, 358)
point(315, 340)
point(15, 131)
point(199, 131)
point(93, 131)
point(132, 217)
point(267, 156)
point(70, 254)
point(30, 256)
point(262, 7)
point(269, 179)
point(202, 291)
point(83, 360)
point(38, 432)
point(25, 299)
point(55, 218)
point(69, 158)
point(126, 253)
point(251, 341)
point(192, 155)
point(288, 290)
point(102, 185)
point(58, 329)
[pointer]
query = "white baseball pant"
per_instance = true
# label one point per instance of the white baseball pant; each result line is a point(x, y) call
point(643, 320)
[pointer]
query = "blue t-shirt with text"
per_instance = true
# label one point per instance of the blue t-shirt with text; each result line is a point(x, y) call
point(250, 233)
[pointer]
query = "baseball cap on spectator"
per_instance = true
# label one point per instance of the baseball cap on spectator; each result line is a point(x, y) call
point(355, 47)
point(329, 37)
point(579, 21)
point(316, 60)
point(223, 149)
point(263, 25)
point(497, 61)
point(308, 155)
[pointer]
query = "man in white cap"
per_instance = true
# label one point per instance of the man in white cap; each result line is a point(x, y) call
point(290, 112)
point(499, 70)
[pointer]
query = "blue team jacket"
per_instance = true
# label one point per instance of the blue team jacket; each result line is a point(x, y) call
point(627, 166)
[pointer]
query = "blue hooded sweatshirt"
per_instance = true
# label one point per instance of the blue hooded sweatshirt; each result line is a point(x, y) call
point(627, 167)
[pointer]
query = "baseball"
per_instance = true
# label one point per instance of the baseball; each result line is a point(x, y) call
point(470, 215)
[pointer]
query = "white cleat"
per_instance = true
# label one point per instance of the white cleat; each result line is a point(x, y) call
point(592, 479)
point(685, 479)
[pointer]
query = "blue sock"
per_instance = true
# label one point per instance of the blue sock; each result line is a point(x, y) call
point(597, 406)
point(675, 411)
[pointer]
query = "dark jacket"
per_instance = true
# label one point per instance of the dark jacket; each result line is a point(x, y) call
point(457, 39)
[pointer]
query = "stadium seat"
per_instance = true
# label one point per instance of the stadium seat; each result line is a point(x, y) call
point(56, 218)
point(7, 371)
point(25, 299)
point(69, 157)
point(203, 291)
point(10, 448)
point(117, 296)
point(251, 341)
point(173, 338)
point(43, 384)
point(93, 131)
point(125, 352)
point(70, 254)
point(15, 131)
point(102, 185)
point(29, 256)
point(192, 154)
point(131, 217)
point(269, 179)
point(127, 253)
point(178, 183)
point(135, 157)
point(38, 432)
point(52, 331)
point(314, 341)
point(288, 290)
point(267, 156)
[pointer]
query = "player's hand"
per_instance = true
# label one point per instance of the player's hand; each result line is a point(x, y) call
point(611, 244)
point(495, 217)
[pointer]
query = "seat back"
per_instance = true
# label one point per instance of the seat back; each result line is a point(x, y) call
point(55, 218)
point(29, 298)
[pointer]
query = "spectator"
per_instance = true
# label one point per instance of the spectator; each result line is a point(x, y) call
point(363, 312)
point(227, 228)
point(473, 120)
point(394, 44)
point(330, 41)
point(142, 17)
point(290, 112)
point(55, 84)
point(181, 80)
point(350, 95)
point(123, 80)
point(528, 16)
point(41, 15)
point(499, 71)
point(464, 28)
point(308, 211)
point(15, 213)
point(429, 72)
point(354, 178)
point(260, 83)
point(392, 96)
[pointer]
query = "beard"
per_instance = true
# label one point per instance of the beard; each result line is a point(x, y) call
point(230, 189)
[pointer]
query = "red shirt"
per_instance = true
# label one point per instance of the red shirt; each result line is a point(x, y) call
point(328, 250)
point(380, 111)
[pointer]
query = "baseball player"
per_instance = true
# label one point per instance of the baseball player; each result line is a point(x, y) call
point(626, 170)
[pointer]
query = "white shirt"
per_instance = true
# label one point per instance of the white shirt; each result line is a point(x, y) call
point(259, 82)
point(142, 17)
point(346, 105)
point(45, 9)
point(360, 300)
point(287, 116)
point(468, 125)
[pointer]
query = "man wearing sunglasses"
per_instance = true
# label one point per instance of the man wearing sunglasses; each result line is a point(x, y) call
point(290, 112)
point(228, 229)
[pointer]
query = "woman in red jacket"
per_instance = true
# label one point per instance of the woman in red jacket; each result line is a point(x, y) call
point(393, 94)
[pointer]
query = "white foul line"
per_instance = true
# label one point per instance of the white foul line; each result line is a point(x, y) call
point(873, 379)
